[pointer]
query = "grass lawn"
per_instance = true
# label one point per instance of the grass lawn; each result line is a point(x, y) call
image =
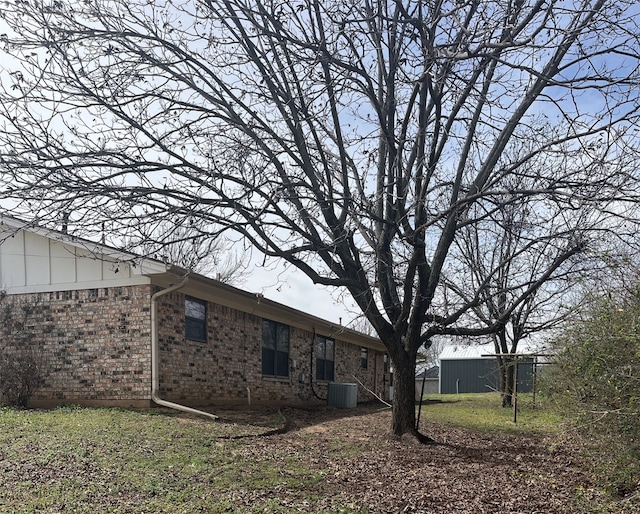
point(115, 460)
point(93, 460)
point(483, 412)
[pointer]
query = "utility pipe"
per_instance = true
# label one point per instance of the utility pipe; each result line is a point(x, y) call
point(155, 380)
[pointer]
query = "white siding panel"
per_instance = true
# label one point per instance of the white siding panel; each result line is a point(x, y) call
point(12, 265)
point(89, 267)
point(63, 263)
point(32, 261)
point(36, 250)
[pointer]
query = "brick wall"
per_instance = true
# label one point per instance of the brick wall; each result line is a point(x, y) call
point(93, 344)
point(227, 368)
point(95, 348)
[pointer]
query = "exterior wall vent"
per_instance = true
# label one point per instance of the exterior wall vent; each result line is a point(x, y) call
point(344, 396)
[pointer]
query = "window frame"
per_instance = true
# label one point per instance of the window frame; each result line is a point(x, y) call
point(201, 335)
point(274, 355)
point(324, 371)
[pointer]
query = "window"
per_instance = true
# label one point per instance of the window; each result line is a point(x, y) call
point(275, 349)
point(325, 356)
point(364, 358)
point(195, 319)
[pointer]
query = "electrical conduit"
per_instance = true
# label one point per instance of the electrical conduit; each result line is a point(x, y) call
point(155, 380)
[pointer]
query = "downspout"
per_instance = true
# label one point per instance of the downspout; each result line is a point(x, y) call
point(155, 380)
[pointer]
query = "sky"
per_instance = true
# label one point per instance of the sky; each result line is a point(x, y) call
point(290, 287)
point(293, 288)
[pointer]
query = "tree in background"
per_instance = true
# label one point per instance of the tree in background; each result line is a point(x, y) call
point(518, 267)
point(189, 248)
point(351, 140)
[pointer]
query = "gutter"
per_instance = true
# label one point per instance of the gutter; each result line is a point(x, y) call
point(155, 380)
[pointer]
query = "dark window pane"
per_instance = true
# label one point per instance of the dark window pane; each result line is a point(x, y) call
point(282, 364)
point(195, 319)
point(268, 335)
point(283, 338)
point(268, 362)
point(325, 349)
point(275, 349)
point(195, 329)
point(319, 369)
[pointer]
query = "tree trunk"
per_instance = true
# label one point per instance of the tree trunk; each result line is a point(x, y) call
point(507, 368)
point(404, 400)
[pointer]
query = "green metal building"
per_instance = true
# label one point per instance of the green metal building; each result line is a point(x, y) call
point(472, 369)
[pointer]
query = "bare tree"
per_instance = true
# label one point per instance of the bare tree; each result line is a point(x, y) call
point(351, 139)
point(518, 266)
point(187, 247)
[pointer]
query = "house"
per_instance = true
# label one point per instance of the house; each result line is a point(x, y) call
point(113, 328)
point(427, 379)
point(474, 369)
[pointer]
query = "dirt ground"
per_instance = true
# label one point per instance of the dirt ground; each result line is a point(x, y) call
point(464, 472)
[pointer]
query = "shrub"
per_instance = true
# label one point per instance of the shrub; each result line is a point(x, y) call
point(20, 377)
point(20, 371)
point(597, 376)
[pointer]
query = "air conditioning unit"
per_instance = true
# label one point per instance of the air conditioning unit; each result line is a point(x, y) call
point(344, 396)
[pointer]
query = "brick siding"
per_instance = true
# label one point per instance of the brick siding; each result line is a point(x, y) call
point(94, 346)
point(227, 368)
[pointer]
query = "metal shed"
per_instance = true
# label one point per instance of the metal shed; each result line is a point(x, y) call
point(470, 369)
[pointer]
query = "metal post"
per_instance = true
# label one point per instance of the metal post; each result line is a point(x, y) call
point(535, 379)
point(515, 391)
point(424, 378)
